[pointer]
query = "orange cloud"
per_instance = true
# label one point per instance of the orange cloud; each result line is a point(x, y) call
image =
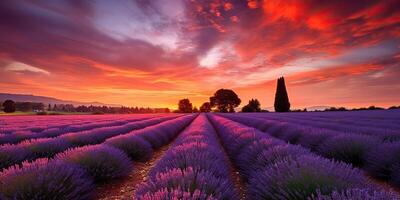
point(276, 9)
point(155, 55)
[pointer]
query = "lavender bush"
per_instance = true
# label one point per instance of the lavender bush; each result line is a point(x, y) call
point(17, 136)
point(292, 133)
point(381, 160)
point(152, 138)
point(277, 154)
point(43, 179)
point(137, 148)
point(248, 156)
point(299, 178)
point(195, 155)
point(45, 147)
point(30, 150)
point(162, 134)
point(188, 181)
point(348, 148)
point(8, 139)
point(11, 155)
point(314, 137)
point(99, 135)
point(101, 162)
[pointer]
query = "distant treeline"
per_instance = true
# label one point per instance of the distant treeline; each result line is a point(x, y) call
point(346, 109)
point(11, 106)
point(226, 100)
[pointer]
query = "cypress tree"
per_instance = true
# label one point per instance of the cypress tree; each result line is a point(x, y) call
point(282, 103)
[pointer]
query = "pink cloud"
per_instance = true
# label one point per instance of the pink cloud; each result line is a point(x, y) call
point(158, 53)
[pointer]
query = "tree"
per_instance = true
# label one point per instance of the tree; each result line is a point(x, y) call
point(206, 107)
point(336, 109)
point(195, 109)
point(282, 103)
point(9, 106)
point(23, 106)
point(37, 107)
point(252, 106)
point(225, 100)
point(185, 106)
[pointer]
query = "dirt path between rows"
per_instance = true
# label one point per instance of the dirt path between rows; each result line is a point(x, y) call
point(238, 181)
point(123, 189)
point(384, 184)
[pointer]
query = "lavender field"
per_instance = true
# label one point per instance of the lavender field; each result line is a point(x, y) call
point(280, 156)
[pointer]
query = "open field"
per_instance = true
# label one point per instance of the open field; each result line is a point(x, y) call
point(18, 113)
point(314, 155)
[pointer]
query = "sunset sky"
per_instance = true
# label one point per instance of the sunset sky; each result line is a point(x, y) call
point(153, 53)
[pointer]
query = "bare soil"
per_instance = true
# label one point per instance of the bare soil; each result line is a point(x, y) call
point(384, 184)
point(239, 183)
point(123, 189)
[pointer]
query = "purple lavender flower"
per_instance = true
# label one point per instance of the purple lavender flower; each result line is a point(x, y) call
point(102, 162)
point(357, 194)
point(11, 155)
point(248, 156)
point(8, 139)
point(349, 148)
point(137, 148)
point(45, 147)
point(44, 179)
point(162, 133)
point(165, 194)
point(188, 181)
point(277, 154)
point(198, 156)
point(99, 135)
point(152, 138)
point(314, 137)
point(291, 133)
point(299, 178)
point(382, 158)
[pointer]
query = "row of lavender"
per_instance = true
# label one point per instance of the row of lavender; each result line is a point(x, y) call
point(273, 169)
point(37, 124)
point(384, 128)
point(11, 124)
point(48, 147)
point(195, 167)
point(374, 154)
point(381, 121)
point(72, 173)
point(57, 130)
point(355, 122)
point(380, 115)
